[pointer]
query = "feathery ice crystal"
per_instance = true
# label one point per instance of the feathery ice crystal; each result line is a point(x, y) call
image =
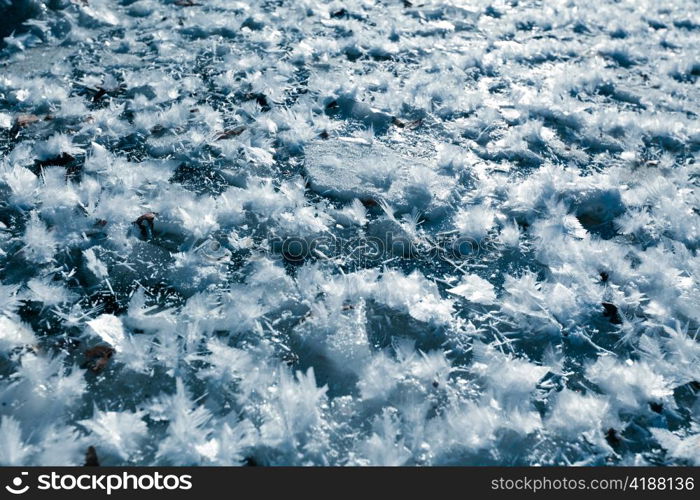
point(349, 233)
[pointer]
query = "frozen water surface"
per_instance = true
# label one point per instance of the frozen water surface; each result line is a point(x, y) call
point(345, 170)
point(349, 233)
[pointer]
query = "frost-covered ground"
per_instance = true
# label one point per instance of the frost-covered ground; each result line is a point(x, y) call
point(354, 233)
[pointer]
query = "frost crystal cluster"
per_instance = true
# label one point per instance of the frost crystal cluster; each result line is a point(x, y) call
point(354, 232)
